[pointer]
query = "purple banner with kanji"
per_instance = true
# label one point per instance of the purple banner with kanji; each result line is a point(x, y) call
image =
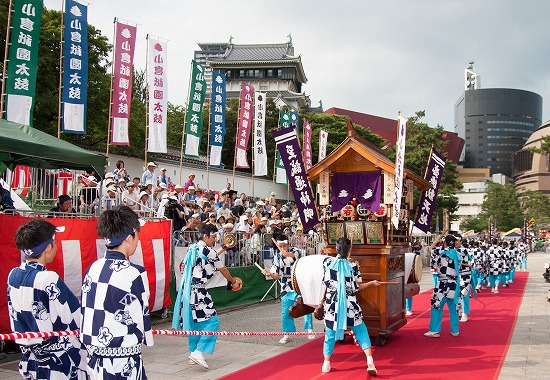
point(426, 206)
point(291, 155)
point(125, 42)
point(366, 187)
point(308, 151)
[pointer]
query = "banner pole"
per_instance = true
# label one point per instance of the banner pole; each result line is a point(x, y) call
point(275, 156)
point(208, 143)
point(111, 92)
point(185, 119)
point(146, 103)
point(236, 137)
point(6, 49)
point(60, 71)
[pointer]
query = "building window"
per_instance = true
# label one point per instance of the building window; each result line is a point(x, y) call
point(467, 123)
point(480, 122)
point(241, 73)
point(269, 73)
point(279, 73)
point(522, 160)
point(467, 129)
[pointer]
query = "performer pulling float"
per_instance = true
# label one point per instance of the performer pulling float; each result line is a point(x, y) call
point(194, 308)
point(341, 310)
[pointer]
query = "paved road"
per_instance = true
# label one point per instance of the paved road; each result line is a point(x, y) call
point(527, 357)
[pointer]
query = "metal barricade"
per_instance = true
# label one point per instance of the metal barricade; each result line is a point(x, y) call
point(251, 248)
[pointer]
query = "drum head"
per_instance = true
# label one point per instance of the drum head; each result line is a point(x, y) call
point(307, 279)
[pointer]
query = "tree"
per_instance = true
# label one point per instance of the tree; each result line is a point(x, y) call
point(535, 205)
point(420, 140)
point(47, 82)
point(501, 204)
point(474, 223)
point(544, 146)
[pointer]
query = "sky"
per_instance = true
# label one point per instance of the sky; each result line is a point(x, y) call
point(374, 57)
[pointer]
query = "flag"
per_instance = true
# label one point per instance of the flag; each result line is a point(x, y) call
point(193, 124)
point(244, 125)
point(78, 246)
point(280, 173)
point(291, 156)
point(426, 206)
point(284, 119)
point(323, 137)
point(365, 187)
point(158, 94)
point(293, 115)
point(23, 61)
point(125, 42)
point(74, 94)
point(217, 127)
point(399, 167)
point(260, 154)
point(308, 152)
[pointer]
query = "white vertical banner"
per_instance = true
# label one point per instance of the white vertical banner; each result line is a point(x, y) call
point(324, 186)
point(158, 95)
point(389, 188)
point(323, 137)
point(260, 154)
point(399, 166)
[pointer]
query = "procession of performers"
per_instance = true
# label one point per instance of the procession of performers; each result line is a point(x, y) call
point(463, 268)
point(112, 333)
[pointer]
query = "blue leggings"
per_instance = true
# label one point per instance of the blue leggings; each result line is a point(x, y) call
point(204, 343)
point(408, 304)
point(288, 322)
point(361, 334)
point(494, 280)
point(523, 264)
point(466, 304)
point(436, 316)
point(435, 278)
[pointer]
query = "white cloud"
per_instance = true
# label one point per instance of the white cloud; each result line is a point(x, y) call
point(372, 57)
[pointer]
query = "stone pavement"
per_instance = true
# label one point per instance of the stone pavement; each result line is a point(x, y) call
point(527, 356)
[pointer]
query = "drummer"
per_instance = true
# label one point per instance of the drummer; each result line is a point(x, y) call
point(282, 269)
point(194, 308)
point(343, 278)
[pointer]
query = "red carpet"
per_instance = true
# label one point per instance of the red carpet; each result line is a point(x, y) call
point(478, 352)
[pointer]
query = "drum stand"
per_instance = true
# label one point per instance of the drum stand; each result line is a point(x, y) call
point(275, 282)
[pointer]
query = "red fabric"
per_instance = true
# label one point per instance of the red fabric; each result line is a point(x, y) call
point(477, 353)
point(21, 180)
point(84, 231)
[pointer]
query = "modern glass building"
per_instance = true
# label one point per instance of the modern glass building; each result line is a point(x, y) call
point(495, 123)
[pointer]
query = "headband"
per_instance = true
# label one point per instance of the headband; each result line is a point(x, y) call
point(37, 251)
point(282, 241)
point(115, 241)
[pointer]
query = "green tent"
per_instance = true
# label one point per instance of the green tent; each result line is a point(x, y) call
point(23, 145)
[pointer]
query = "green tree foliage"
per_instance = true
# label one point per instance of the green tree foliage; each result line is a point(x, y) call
point(420, 140)
point(474, 223)
point(535, 205)
point(502, 205)
point(544, 146)
point(45, 114)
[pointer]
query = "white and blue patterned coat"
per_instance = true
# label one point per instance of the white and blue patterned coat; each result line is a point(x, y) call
point(39, 301)
point(330, 279)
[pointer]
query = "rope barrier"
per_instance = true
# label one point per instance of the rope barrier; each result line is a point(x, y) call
point(51, 334)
